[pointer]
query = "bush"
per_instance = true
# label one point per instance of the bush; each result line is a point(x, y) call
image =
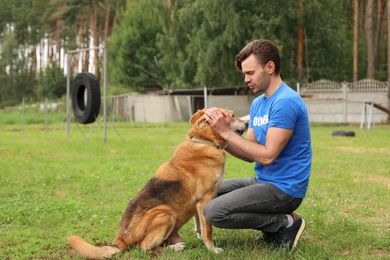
point(53, 83)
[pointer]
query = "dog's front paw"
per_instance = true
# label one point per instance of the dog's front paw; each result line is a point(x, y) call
point(178, 246)
point(216, 250)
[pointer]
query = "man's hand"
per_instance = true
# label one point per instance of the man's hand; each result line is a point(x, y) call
point(219, 120)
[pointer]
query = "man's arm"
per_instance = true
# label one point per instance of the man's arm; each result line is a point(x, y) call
point(249, 149)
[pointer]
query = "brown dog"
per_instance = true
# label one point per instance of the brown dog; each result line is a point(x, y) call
point(178, 191)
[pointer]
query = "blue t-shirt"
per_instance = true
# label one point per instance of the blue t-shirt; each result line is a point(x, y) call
point(285, 109)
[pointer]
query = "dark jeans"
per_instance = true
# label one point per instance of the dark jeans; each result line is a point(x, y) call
point(243, 203)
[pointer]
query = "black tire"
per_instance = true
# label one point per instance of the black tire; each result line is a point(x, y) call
point(343, 133)
point(86, 98)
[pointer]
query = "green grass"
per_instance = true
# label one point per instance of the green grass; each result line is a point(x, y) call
point(52, 187)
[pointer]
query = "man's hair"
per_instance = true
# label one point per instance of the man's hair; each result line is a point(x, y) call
point(264, 50)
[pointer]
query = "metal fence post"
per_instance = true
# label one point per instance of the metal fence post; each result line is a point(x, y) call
point(23, 115)
point(344, 89)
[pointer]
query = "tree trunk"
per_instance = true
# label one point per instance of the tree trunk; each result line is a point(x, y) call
point(95, 36)
point(355, 40)
point(115, 18)
point(388, 56)
point(378, 32)
point(369, 26)
point(85, 41)
point(300, 44)
point(35, 69)
point(77, 57)
point(107, 23)
point(56, 52)
point(85, 54)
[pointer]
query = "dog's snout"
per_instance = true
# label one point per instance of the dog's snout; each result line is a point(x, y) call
point(239, 126)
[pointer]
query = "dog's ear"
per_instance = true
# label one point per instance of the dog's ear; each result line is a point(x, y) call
point(197, 115)
point(230, 112)
point(201, 124)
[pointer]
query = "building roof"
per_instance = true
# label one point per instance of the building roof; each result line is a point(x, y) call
point(235, 91)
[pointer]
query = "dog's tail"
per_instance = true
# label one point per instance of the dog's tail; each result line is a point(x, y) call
point(89, 251)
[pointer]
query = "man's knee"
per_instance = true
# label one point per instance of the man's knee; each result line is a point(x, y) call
point(207, 212)
point(211, 214)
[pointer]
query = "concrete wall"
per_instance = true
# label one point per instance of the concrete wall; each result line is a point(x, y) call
point(345, 102)
point(340, 107)
point(161, 109)
point(152, 108)
point(239, 104)
point(334, 108)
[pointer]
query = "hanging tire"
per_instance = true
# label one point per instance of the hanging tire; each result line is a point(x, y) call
point(343, 133)
point(86, 98)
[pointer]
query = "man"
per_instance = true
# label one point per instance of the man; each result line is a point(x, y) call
point(278, 141)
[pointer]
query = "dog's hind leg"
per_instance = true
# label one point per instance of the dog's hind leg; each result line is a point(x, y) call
point(158, 230)
point(121, 244)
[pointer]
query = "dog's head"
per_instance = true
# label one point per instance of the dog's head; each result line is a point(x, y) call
point(202, 129)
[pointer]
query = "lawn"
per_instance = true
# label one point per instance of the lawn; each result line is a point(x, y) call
point(52, 187)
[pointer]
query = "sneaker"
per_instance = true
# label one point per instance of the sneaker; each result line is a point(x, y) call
point(268, 238)
point(288, 237)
